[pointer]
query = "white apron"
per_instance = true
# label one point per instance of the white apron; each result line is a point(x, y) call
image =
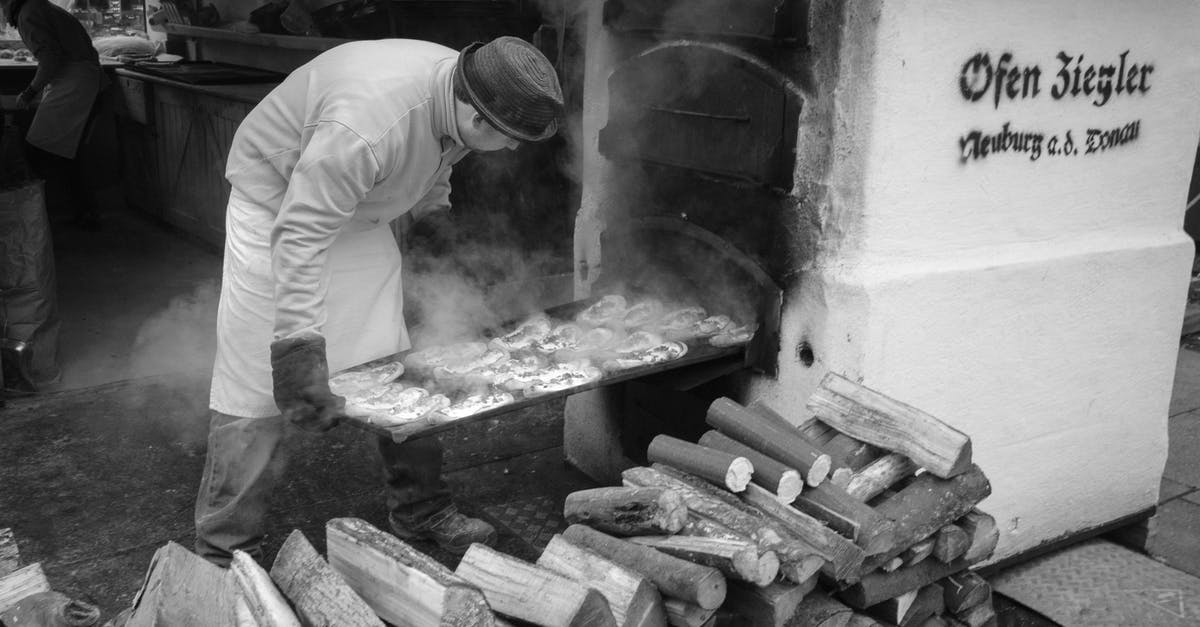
point(364, 305)
point(62, 114)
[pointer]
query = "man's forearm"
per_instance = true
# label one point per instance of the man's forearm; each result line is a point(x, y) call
point(47, 68)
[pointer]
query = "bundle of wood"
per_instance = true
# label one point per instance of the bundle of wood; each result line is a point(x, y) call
point(866, 512)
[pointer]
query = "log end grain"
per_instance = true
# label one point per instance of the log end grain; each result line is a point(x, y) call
point(841, 477)
point(766, 569)
point(819, 470)
point(594, 611)
point(738, 475)
point(791, 485)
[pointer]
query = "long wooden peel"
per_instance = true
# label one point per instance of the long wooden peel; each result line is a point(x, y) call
point(633, 599)
point(626, 511)
point(769, 473)
point(762, 434)
point(885, 422)
point(700, 585)
point(732, 472)
point(522, 590)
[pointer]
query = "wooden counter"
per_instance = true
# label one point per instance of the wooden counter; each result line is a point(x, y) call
point(175, 140)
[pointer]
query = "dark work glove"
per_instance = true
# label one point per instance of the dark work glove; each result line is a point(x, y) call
point(301, 383)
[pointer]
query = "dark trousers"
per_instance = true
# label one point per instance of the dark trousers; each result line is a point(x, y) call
point(68, 195)
point(245, 464)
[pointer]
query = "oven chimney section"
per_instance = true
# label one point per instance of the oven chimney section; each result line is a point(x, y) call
point(981, 216)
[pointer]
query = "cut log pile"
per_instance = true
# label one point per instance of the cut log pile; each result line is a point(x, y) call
point(864, 514)
point(878, 523)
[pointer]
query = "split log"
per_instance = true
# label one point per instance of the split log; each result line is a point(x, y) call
point(736, 558)
point(862, 620)
point(262, 598)
point(879, 475)
point(878, 586)
point(818, 609)
point(962, 591)
point(984, 535)
point(10, 558)
point(982, 615)
point(401, 584)
point(627, 511)
point(522, 590)
point(894, 609)
point(696, 584)
point(702, 500)
point(770, 606)
point(633, 599)
point(182, 588)
point(731, 472)
point(769, 472)
point(877, 419)
point(950, 543)
point(680, 613)
point(892, 565)
point(843, 557)
point(789, 447)
point(874, 532)
point(21, 583)
point(844, 451)
point(847, 453)
point(935, 621)
point(699, 527)
point(319, 595)
point(798, 561)
point(910, 609)
point(917, 552)
point(928, 504)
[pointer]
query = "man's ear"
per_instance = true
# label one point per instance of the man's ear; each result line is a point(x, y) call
point(477, 119)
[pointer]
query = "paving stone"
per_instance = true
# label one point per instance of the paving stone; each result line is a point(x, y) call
point(1169, 489)
point(1186, 395)
point(1098, 584)
point(1184, 449)
point(1176, 539)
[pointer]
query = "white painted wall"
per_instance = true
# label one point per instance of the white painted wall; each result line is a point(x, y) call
point(1035, 305)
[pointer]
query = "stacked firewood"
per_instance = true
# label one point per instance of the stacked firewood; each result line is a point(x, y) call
point(864, 514)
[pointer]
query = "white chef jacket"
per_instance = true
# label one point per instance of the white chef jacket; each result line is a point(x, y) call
point(359, 136)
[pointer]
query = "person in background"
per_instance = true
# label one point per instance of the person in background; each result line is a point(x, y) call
point(363, 134)
point(69, 81)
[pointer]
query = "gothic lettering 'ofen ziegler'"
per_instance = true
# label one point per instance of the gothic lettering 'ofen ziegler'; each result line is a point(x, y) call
point(1006, 80)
